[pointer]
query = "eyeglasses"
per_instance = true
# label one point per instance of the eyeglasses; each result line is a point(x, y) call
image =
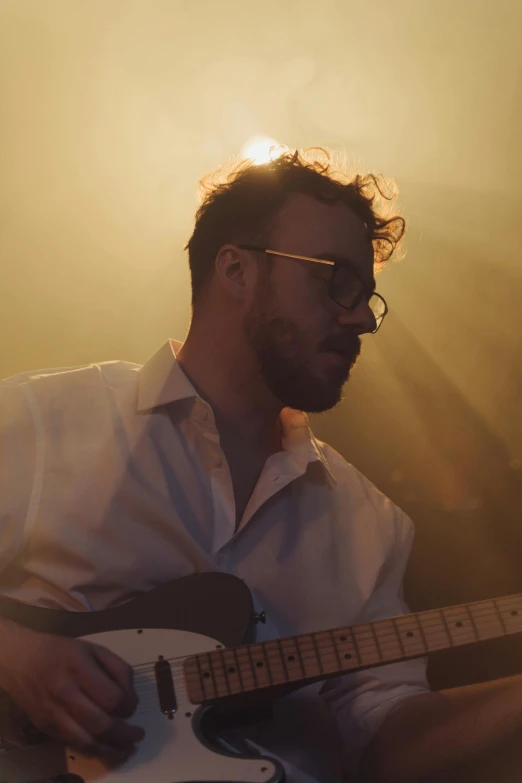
point(345, 286)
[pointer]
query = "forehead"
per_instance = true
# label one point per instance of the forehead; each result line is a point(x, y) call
point(308, 227)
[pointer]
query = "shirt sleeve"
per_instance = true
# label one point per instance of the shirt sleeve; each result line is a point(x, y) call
point(361, 701)
point(19, 492)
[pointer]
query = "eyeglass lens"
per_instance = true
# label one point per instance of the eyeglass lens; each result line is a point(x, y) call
point(347, 289)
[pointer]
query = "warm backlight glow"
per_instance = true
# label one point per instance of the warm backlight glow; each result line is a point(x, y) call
point(262, 149)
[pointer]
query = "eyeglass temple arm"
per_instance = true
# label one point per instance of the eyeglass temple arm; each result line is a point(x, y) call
point(300, 258)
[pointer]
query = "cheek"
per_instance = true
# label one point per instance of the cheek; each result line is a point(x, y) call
point(302, 309)
point(303, 297)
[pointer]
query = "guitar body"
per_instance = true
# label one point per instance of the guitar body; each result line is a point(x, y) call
point(176, 748)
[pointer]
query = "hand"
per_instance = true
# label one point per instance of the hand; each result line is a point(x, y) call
point(72, 690)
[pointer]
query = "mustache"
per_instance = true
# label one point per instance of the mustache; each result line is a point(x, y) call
point(347, 344)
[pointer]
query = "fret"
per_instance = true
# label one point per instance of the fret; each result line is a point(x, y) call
point(258, 664)
point(346, 648)
point(244, 668)
point(356, 646)
point(245, 651)
point(267, 666)
point(399, 636)
point(309, 660)
point(458, 624)
point(336, 651)
point(411, 638)
point(212, 674)
point(317, 655)
point(281, 653)
point(293, 663)
point(446, 626)
point(328, 653)
point(207, 676)
point(235, 683)
point(421, 631)
point(434, 630)
point(499, 617)
point(377, 645)
point(298, 642)
point(472, 621)
point(388, 639)
point(511, 612)
point(366, 646)
point(218, 673)
point(192, 671)
point(276, 662)
point(487, 619)
point(225, 669)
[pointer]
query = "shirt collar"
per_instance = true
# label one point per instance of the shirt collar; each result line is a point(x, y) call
point(161, 381)
point(298, 438)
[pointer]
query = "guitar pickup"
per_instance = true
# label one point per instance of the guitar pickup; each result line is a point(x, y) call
point(165, 687)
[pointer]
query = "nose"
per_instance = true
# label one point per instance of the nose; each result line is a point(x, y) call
point(361, 319)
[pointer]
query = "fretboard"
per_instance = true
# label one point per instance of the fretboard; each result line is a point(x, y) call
point(298, 660)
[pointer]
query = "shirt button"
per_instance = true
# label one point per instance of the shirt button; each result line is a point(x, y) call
point(276, 478)
point(217, 461)
point(204, 415)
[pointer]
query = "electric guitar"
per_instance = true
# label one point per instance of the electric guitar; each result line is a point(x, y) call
point(189, 643)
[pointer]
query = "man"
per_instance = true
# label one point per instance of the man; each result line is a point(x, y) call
point(118, 478)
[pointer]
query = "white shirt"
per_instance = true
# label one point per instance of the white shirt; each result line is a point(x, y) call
point(112, 482)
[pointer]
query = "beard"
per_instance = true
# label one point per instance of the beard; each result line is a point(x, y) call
point(286, 360)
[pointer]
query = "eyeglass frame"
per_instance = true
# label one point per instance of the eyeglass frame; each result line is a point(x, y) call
point(336, 265)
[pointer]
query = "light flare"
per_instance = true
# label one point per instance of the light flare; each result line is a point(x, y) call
point(262, 149)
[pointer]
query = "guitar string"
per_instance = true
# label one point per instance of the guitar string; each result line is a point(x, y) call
point(309, 649)
point(492, 617)
point(179, 677)
point(493, 613)
point(311, 665)
point(391, 634)
point(276, 668)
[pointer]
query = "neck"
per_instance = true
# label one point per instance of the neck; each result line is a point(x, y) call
point(223, 370)
point(317, 656)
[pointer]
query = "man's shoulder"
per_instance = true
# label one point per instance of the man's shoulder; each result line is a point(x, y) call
point(350, 480)
point(344, 472)
point(73, 388)
point(107, 372)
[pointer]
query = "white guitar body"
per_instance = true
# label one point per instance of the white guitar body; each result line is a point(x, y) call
point(172, 751)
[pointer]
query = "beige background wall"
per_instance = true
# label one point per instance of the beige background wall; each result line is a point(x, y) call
point(110, 110)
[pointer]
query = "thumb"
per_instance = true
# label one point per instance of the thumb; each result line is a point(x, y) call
point(122, 674)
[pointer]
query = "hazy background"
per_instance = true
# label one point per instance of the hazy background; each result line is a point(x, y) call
point(112, 109)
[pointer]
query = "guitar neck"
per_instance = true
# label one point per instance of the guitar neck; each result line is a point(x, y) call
point(298, 660)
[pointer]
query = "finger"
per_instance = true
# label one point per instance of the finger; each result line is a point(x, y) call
point(123, 675)
point(108, 754)
point(97, 684)
point(61, 726)
point(121, 735)
point(109, 731)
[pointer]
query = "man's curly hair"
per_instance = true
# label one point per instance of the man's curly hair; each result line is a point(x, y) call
point(240, 202)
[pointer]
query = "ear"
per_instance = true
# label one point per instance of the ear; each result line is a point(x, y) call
point(236, 271)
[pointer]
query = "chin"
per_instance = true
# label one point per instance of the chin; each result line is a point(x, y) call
point(321, 405)
point(312, 398)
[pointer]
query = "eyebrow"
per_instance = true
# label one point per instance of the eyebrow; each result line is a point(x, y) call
point(344, 260)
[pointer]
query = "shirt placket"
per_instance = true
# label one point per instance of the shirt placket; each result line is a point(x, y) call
point(280, 470)
point(215, 463)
